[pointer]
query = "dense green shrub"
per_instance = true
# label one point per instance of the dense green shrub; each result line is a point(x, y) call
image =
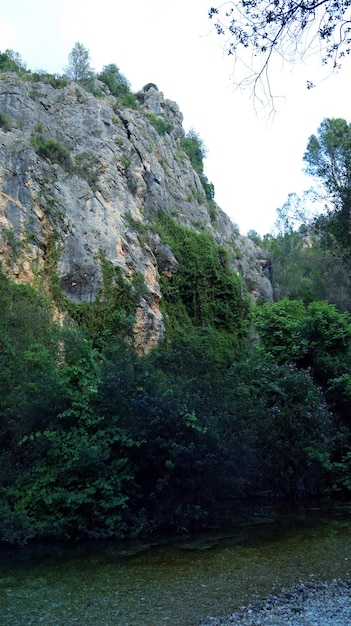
point(105, 443)
point(112, 312)
point(88, 166)
point(5, 123)
point(162, 126)
point(279, 325)
point(114, 79)
point(29, 391)
point(127, 100)
point(118, 85)
point(210, 435)
point(55, 80)
point(286, 415)
point(194, 147)
point(11, 61)
point(80, 485)
point(317, 336)
point(149, 86)
point(205, 292)
point(52, 150)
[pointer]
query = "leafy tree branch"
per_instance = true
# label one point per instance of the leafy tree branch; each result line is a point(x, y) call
point(289, 30)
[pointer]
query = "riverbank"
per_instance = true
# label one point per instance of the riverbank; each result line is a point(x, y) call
point(310, 604)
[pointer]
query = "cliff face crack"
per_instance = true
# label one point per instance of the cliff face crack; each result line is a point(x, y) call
point(147, 175)
point(125, 124)
point(45, 105)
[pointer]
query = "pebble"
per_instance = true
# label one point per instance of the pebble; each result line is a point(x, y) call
point(309, 604)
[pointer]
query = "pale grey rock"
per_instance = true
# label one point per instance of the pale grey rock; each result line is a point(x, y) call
point(318, 604)
point(131, 172)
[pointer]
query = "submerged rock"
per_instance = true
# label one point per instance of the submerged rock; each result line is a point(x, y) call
point(311, 604)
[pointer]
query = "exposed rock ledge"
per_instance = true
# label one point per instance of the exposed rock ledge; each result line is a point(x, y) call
point(317, 604)
point(100, 191)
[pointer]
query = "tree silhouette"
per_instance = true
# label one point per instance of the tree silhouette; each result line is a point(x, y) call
point(291, 30)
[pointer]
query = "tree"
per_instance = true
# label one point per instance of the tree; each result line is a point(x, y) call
point(114, 79)
point(74, 478)
point(317, 337)
point(205, 292)
point(28, 353)
point(288, 29)
point(118, 85)
point(10, 61)
point(79, 63)
point(286, 430)
point(193, 145)
point(328, 158)
point(195, 148)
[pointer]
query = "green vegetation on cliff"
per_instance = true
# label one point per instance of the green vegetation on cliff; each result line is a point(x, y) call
point(98, 442)
point(204, 292)
point(237, 401)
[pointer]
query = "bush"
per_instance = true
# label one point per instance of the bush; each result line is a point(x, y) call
point(52, 150)
point(55, 80)
point(279, 325)
point(75, 477)
point(150, 86)
point(194, 147)
point(127, 100)
point(162, 126)
point(11, 61)
point(112, 313)
point(97, 442)
point(205, 292)
point(289, 428)
point(5, 123)
point(315, 336)
point(114, 79)
point(118, 85)
point(87, 165)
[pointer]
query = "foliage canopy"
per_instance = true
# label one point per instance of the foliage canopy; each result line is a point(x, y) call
point(97, 442)
point(114, 79)
point(328, 158)
point(195, 148)
point(79, 68)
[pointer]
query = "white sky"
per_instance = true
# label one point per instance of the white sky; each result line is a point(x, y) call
point(253, 163)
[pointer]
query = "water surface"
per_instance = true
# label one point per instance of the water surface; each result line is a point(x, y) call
point(176, 581)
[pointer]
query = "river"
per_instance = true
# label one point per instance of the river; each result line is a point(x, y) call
point(175, 581)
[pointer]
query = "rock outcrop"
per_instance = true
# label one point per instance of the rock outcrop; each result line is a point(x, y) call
point(80, 177)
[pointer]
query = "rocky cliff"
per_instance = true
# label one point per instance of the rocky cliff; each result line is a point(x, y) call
point(81, 177)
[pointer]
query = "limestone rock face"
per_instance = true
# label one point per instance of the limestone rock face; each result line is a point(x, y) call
point(96, 189)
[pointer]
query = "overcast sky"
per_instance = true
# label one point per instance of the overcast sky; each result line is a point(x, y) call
point(253, 161)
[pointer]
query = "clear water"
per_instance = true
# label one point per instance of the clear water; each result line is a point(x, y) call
point(175, 581)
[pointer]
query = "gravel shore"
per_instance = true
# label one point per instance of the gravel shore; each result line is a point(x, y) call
point(317, 604)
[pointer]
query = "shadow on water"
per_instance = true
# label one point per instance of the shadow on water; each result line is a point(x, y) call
point(176, 581)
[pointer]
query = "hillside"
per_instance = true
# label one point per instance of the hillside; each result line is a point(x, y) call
point(140, 389)
point(84, 181)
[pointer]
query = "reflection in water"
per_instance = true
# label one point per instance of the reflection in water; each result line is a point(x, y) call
point(174, 582)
